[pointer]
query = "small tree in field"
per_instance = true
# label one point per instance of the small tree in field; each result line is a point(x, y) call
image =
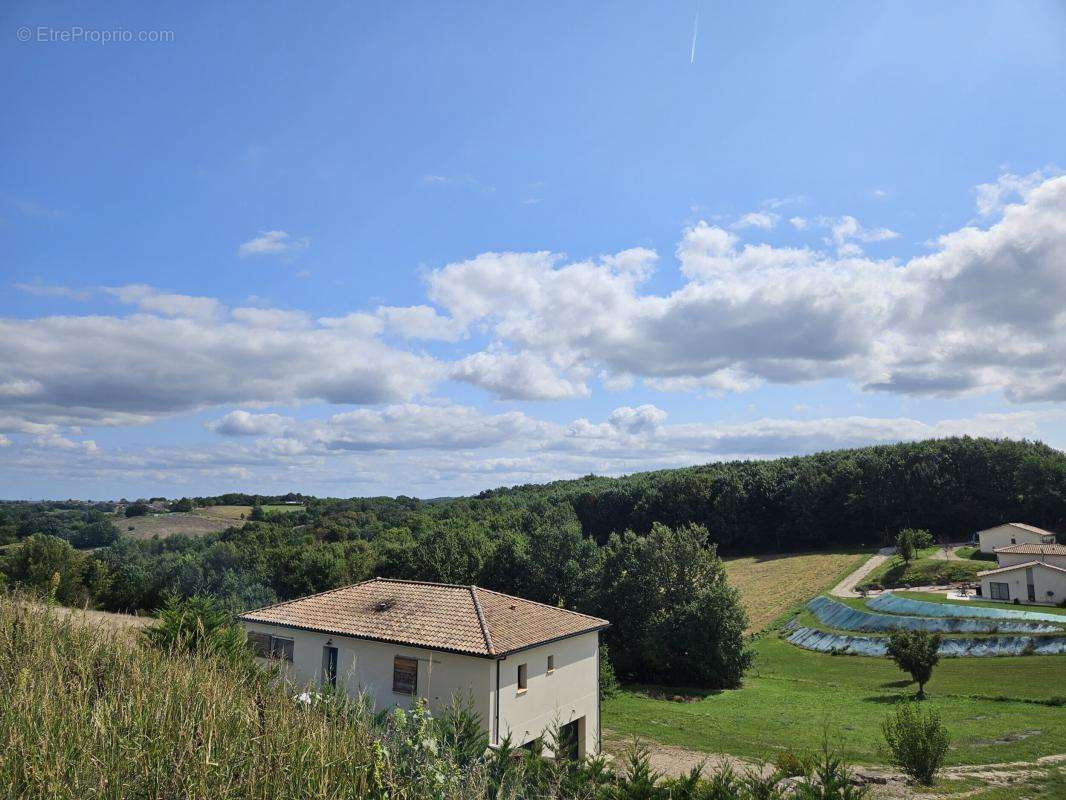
point(915, 652)
point(918, 740)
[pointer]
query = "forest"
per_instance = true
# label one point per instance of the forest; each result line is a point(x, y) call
point(642, 550)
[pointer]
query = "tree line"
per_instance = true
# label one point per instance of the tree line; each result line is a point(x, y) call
point(641, 551)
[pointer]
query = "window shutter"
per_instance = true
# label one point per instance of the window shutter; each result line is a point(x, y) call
point(281, 648)
point(404, 675)
point(259, 644)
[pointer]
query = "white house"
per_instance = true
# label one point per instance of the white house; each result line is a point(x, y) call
point(526, 666)
point(1012, 533)
point(1014, 554)
point(1028, 582)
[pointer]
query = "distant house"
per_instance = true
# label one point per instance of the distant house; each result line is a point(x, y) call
point(1012, 533)
point(526, 666)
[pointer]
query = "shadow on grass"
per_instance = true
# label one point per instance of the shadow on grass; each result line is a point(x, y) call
point(902, 684)
point(673, 694)
point(888, 699)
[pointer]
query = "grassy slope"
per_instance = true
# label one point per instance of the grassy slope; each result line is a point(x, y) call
point(164, 525)
point(793, 695)
point(923, 571)
point(772, 585)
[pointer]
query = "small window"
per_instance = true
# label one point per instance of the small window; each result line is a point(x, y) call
point(999, 591)
point(522, 678)
point(404, 675)
point(551, 664)
point(281, 649)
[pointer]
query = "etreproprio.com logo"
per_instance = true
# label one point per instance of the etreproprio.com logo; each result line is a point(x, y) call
point(77, 34)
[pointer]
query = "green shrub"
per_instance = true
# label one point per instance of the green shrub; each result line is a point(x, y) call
point(917, 740)
point(197, 624)
point(830, 780)
point(460, 732)
point(137, 509)
point(789, 763)
point(608, 680)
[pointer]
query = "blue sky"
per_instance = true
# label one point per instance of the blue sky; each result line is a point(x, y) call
point(432, 248)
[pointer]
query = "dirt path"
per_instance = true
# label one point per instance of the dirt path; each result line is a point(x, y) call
point(949, 554)
point(846, 588)
point(885, 782)
point(677, 761)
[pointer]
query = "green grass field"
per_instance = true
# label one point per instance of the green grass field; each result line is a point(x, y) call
point(997, 709)
point(974, 554)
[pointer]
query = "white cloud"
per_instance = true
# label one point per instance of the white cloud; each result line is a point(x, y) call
point(152, 300)
point(407, 426)
point(845, 231)
point(464, 181)
point(991, 197)
point(42, 290)
point(636, 420)
point(121, 370)
point(272, 243)
point(799, 223)
point(983, 312)
point(4, 441)
point(243, 423)
point(517, 376)
point(445, 448)
point(757, 219)
point(420, 322)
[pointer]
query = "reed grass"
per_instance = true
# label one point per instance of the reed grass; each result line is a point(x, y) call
point(87, 712)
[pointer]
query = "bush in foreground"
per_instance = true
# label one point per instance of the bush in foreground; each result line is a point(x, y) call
point(917, 739)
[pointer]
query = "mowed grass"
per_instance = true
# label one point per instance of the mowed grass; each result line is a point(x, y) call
point(772, 585)
point(170, 524)
point(198, 522)
point(996, 709)
point(242, 512)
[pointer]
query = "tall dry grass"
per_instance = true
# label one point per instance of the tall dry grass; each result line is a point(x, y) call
point(93, 713)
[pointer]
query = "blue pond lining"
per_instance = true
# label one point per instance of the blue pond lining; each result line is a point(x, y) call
point(838, 615)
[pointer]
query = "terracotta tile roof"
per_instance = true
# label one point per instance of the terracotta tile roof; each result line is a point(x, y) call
point(1032, 548)
point(1021, 566)
point(1024, 526)
point(440, 616)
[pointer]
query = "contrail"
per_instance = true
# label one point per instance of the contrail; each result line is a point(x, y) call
point(695, 30)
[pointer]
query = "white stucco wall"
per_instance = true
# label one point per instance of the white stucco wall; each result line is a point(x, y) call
point(1044, 580)
point(570, 693)
point(1003, 535)
point(367, 666)
point(1009, 559)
